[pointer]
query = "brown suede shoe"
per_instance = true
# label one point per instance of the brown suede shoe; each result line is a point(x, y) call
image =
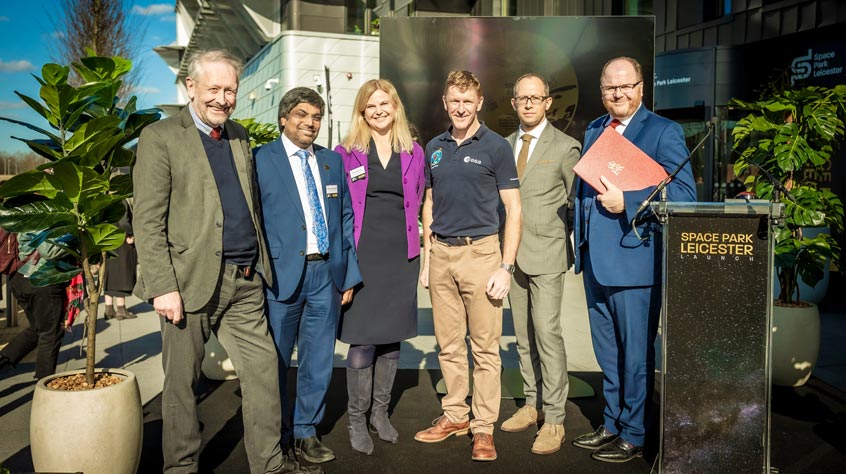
point(483, 447)
point(442, 429)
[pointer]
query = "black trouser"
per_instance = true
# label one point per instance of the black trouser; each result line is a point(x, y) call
point(44, 308)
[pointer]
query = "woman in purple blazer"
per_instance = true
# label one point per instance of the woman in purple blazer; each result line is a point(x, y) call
point(384, 169)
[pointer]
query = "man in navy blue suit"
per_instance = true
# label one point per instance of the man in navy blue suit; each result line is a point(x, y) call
point(308, 222)
point(622, 268)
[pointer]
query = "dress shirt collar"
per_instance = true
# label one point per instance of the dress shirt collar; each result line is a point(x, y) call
point(535, 132)
point(291, 149)
point(202, 126)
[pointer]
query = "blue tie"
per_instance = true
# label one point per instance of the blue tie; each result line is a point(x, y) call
point(317, 222)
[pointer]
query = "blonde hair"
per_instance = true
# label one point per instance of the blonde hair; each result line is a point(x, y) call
point(463, 80)
point(359, 135)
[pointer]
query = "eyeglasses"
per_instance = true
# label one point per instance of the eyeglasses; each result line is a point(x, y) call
point(624, 88)
point(525, 99)
point(301, 115)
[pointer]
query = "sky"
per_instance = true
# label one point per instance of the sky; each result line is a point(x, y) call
point(28, 39)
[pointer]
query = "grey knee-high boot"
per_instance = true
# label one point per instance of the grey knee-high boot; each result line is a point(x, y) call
point(383, 382)
point(359, 383)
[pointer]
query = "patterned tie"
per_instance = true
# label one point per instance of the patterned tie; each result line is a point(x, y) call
point(215, 133)
point(317, 222)
point(523, 156)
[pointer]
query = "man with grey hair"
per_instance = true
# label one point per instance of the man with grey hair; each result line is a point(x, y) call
point(308, 221)
point(202, 261)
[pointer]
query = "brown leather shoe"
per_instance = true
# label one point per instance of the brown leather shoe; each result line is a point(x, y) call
point(442, 429)
point(483, 447)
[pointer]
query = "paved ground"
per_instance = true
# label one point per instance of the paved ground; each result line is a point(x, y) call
point(136, 345)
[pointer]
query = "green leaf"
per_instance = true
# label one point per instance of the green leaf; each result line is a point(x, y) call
point(76, 181)
point(38, 216)
point(102, 237)
point(30, 126)
point(121, 184)
point(52, 272)
point(91, 207)
point(93, 140)
point(137, 121)
point(34, 105)
point(55, 74)
point(122, 157)
point(46, 148)
point(30, 182)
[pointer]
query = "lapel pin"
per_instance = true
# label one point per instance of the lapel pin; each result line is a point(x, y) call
point(326, 167)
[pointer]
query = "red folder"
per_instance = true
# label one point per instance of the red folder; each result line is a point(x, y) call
point(621, 162)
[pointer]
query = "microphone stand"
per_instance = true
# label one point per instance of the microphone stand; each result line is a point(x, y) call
point(778, 186)
point(663, 184)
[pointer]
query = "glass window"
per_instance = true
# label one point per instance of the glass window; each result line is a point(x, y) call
point(361, 18)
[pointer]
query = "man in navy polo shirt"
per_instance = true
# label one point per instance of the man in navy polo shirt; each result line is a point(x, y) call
point(469, 170)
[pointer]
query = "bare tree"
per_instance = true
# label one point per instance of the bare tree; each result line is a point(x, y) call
point(103, 27)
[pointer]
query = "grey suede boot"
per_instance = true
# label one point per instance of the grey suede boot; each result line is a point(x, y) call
point(359, 383)
point(383, 382)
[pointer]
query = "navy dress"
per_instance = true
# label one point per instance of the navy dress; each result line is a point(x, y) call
point(384, 306)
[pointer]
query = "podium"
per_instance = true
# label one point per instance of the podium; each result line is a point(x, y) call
point(716, 326)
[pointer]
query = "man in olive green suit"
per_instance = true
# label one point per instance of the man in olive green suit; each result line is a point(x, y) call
point(202, 261)
point(545, 159)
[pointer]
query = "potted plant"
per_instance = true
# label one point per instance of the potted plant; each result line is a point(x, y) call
point(75, 201)
point(785, 141)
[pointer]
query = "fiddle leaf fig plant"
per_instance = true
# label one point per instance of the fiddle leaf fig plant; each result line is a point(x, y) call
point(793, 135)
point(75, 200)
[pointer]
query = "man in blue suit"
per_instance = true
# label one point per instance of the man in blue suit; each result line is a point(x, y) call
point(308, 223)
point(622, 268)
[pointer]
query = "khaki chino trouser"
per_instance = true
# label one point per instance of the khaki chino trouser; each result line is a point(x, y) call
point(457, 279)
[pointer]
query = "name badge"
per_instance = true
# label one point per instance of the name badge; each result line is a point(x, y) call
point(357, 174)
point(332, 190)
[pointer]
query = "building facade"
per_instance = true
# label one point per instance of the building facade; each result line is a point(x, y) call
point(707, 51)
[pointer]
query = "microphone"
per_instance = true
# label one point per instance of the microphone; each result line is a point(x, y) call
point(663, 184)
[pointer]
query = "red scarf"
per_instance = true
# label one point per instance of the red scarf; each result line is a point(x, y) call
point(75, 292)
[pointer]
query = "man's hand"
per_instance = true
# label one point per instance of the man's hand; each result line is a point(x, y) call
point(424, 275)
point(346, 297)
point(612, 198)
point(499, 284)
point(169, 305)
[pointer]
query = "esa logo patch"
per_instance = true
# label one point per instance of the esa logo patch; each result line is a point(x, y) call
point(467, 159)
point(436, 157)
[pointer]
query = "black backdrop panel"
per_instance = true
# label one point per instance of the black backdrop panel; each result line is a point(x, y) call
point(715, 387)
point(416, 54)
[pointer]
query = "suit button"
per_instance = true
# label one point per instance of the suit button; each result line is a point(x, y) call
point(217, 253)
point(219, 224)
point(407, 204)
point(409, 227)
point(405, 181)
point(304, 227)
point(302, 253)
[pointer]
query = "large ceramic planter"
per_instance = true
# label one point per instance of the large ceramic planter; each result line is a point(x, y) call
point(216, 364)
point(95, 431)
point(795, 344)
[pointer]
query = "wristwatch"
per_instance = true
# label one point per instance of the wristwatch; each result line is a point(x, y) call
point(508, 267)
